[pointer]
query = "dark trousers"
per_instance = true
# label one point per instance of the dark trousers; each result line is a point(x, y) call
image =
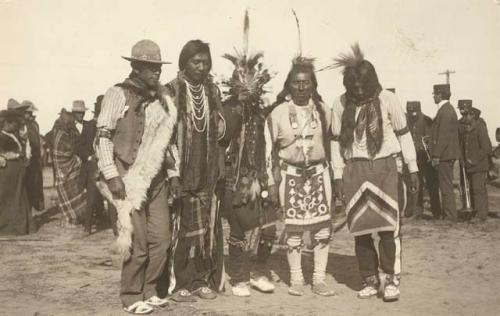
point(445, 174)
point(428, 179)
point(479, 193)
point(150, 242)
point(238, 255)
point(95, 201)
point(389, 250)
point(34, 184)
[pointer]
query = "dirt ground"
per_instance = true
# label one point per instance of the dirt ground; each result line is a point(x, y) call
point(447, 270)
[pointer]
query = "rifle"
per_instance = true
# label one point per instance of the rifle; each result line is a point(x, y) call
point(425, 142)
point(465, 188)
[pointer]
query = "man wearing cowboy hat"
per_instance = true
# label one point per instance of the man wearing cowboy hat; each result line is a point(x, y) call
point(134, 130)
point(34, 178)
point(78, 109)
point(20, 108)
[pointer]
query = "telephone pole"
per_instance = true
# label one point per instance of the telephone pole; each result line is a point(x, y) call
point(447, 73)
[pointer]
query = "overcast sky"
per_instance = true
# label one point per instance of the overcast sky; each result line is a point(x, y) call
point(56, 51)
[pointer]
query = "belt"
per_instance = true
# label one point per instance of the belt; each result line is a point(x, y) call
point(368, 159)
point(304, 172)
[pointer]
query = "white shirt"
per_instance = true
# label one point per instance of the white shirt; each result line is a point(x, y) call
point(393, 119)
point(79, 126)
point(440, 104)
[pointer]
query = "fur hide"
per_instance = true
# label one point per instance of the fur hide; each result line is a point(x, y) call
point(158, 131)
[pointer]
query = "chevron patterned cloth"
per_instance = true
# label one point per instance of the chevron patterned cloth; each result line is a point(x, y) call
point(371, 189)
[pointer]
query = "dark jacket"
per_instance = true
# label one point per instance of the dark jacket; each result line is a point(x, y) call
point(421, 128)
point(86, 145)
point(445, 144)
point(477, 147)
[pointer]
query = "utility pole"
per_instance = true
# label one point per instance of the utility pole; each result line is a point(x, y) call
point(447, 73)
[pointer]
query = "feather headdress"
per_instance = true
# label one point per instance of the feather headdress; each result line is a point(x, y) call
point(347, 60)
point(350, 60)
point(249, 74)
point(299, 59)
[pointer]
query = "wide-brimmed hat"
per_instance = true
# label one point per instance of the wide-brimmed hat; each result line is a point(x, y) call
point(413, 106)
point(146, 51)
point(78, 106)
point(13, 104)
point(441, 88)
point(464, 104)
point(30, 106)
point(10, 114)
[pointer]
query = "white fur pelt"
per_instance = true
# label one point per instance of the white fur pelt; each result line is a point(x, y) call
point(158, 130)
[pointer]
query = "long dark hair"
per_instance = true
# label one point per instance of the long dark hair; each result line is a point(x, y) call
point(361, 74)
point(192, 48)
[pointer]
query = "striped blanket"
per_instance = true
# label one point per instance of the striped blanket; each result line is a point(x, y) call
point(67, 166)
point(371, 190)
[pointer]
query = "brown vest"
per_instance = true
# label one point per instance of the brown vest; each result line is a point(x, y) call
point(129, 129)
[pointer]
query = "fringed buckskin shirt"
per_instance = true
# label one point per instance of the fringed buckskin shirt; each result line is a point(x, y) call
point(395, 130)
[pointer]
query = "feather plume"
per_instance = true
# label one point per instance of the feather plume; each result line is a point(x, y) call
point(303, 61)
point(249, 73)
point(246, 32)
point(231, 58)
point(298, 31)
point(350, 59)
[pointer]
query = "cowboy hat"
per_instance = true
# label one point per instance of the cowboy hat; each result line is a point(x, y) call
point(146, 51)
point(78, 106)
point(12, 104)
point(30, 106)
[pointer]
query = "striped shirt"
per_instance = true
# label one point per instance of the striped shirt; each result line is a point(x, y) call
point(113, 108)
point(393, 119)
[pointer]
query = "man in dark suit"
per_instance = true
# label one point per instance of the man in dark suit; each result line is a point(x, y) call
point(445, 148)
point(477, 150)
point(420, 127)
point(95, 204)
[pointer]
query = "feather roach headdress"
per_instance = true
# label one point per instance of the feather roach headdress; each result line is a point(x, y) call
point(350, 60)
point(300, 63)
point(249, 74)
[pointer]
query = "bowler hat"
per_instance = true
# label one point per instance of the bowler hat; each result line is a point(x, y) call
point(12, 104)
point(146, 51)
point(78, 106)
point(441, 88)
point(413, 106)
point(464, 104)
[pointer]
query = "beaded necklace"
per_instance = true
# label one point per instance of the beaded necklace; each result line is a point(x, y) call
point(199, 106)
